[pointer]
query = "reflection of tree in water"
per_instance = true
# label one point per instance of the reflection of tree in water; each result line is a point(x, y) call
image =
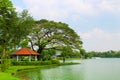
point(23, 75)
point(61, 73)
point(30, 75)
point(35, 75)
point(71, 72)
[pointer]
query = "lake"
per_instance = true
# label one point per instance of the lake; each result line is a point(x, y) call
point(90, 69)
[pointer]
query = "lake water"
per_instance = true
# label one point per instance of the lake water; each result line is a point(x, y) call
point(92, 69)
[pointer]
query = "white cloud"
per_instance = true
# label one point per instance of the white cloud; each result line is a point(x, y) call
point(110, 5)
point(64, 9)
point(58, 9)
point(19, 9)
point(48, 9)
point(100, 40)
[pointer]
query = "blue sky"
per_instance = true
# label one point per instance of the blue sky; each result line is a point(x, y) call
point(96, 21)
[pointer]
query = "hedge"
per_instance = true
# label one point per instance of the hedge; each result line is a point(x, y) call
point(25, 63)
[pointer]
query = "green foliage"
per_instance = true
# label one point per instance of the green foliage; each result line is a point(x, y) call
point(53, 35)
point(107, 54)
point(54, 61)
point(0, 51)
point(25, 24)
point(8, 19)
point(6, 4)
point(47, 54)
point(75, 54)
point(82, 51)
point(24, 43)
point(13, 27)
point(46, 62)
point(5, 65)
point(66, 52)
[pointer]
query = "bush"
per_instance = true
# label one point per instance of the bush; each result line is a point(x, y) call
point(5, 63)
point(46, 62)
point(54, 61)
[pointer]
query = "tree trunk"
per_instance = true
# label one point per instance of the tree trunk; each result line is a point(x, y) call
point(39, 51)
point(32, 45)
point(63, 59)
point(3, 58)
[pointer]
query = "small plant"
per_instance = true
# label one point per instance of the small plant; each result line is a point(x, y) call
point(54, 61)
point(5, 64)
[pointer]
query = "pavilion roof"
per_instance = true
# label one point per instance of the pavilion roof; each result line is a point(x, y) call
point(24, 51)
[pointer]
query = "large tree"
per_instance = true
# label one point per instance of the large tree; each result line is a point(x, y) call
point(7, 17)
point(53, 35)
point(13, 27)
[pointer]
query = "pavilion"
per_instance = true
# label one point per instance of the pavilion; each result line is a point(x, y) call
point(24, 52)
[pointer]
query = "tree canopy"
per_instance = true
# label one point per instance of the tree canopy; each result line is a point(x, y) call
point(13, 27)
point(53, 35)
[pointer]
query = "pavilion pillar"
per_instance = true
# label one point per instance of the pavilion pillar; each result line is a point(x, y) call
point(17, 58)
point(29, 58)
point(35, 58)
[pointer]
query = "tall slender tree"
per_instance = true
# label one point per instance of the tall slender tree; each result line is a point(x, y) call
point(13, 27)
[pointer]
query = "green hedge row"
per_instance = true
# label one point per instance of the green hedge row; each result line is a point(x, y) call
point(25, 63)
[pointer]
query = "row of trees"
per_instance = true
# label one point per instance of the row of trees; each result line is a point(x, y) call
point(107, 54)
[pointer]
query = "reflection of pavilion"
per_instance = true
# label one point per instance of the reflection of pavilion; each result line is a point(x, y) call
point(24, 52)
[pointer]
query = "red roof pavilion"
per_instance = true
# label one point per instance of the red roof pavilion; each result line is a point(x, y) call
point(24, 52)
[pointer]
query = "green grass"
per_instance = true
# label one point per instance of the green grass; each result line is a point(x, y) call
point(13, 69)
point(7, 76)
point(10, 73)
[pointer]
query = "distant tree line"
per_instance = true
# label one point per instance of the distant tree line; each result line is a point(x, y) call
point(107, 54)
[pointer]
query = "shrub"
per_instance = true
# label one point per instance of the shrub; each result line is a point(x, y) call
point(46, 62)
point(54, 61)
point(5, 63)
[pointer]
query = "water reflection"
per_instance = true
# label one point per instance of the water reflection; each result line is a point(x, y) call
point(30, 75)
point(61, 73)
point(102, 69)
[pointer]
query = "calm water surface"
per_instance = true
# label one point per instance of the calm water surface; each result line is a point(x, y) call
point(92, 69)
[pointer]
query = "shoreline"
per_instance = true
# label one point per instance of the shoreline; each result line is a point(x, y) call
point(12, 71)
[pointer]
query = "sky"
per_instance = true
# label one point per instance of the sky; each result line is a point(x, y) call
point(97, 22)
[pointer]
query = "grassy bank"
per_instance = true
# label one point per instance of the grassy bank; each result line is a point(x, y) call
point(12, 70)
point(6, 76)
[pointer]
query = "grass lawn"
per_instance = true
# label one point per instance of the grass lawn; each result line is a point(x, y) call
point(7, 75)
